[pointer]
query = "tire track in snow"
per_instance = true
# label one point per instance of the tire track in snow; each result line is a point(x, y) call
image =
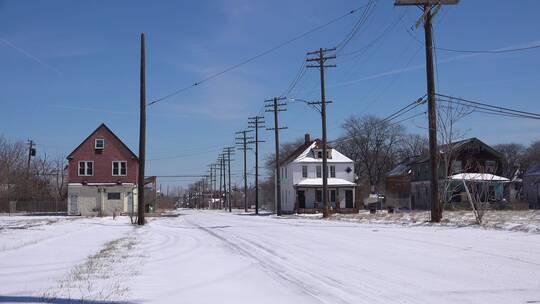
point(273, 269)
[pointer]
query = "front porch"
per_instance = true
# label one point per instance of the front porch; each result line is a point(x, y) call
point(309, 199)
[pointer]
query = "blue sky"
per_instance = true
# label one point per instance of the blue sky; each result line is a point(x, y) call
point(69, 65)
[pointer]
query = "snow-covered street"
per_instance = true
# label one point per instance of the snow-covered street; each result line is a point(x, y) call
point(216, 257)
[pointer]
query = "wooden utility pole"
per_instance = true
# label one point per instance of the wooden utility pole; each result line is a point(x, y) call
point(436, 213)
point(142, 139)
point(228, 152)
point(320, 60)
point(222, 182)
point(31, 152)
point(275, 106)
point(428, 7)
point(256, 123)
point(244, 142)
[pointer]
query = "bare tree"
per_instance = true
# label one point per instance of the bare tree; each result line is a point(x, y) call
point(448, 115)
point(480, 189)
point(533, 154)
point(412, 145)
point(513, 157)
point(373, 144)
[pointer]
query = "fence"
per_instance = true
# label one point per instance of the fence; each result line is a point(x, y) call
point(33, 206)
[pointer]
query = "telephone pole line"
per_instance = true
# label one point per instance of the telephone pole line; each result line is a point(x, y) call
point(31, 152)
point(222, 181)
point(428, 7)
point(142, 138)
point(256, 123)
point(227, 151)
point(275, 105)
point(320, 60)
point(244, 142)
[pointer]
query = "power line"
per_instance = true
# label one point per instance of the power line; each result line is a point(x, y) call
point(270, 50)
point(383, 34)
point(488, 105)
point(491, 51)
point(357, 26)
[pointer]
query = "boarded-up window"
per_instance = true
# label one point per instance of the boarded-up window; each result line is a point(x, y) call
point(113, 195)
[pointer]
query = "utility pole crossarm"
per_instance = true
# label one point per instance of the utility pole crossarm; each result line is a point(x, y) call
point(436, 210)
point(256, 123)
point(321, 58)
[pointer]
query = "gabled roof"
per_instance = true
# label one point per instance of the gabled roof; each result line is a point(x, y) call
point(104, 126)
point(294, 154)
point(304, 153)
point(458, 146)
point(404, 167)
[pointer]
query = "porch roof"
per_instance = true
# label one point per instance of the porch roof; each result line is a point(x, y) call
point(317, 182)
point(486, 177)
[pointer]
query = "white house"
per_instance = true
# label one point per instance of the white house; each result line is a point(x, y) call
point(301, 179)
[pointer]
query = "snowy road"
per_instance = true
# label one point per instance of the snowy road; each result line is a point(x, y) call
point(215, 257)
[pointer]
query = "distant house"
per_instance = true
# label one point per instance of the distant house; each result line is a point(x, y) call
point(531, 186)
point(102, 175)
point(398, 184)
point(301, 179)
point(468, 156)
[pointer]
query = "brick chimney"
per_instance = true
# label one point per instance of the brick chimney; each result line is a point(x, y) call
point(307, 138)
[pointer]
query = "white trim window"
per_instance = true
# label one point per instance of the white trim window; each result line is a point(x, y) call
point(318, 171)
point(304, 171)
point(99, 144)
point(119, 168)
point(332, 171)
point(86, 168)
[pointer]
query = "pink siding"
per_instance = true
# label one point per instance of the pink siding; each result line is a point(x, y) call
point(114, 151)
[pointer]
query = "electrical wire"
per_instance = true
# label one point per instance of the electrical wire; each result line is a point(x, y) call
point(488, 105)
point(491, 51)
point(268, 51)
point(357, 26)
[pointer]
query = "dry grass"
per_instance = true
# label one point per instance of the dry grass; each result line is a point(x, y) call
point(513, 220)
point(102, 277)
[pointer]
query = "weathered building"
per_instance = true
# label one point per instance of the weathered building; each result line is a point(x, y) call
point(102, 175)
point(301, 179)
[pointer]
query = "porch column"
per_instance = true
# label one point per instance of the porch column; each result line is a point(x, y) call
point(295, 199)
point(337, 201)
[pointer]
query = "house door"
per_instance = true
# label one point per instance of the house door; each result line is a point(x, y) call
point(349, 199)
point(301, 199)
point(130, 202)
point(73, 204)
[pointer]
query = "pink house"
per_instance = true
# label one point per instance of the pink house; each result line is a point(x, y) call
point(102, 175)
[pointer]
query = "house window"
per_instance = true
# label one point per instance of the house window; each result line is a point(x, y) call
point(332, 171)
point(329, 154)
point(119, 168)
point(113, 195)
point(304, 171)
point(99, 144)
point(318, 195)
point(319, 154)
point(333, 196)
point(490, 166)
point(319, 169)
point(86, 168)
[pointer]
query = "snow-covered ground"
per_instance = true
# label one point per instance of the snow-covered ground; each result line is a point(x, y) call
point(512, 220)
point(216, 257)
